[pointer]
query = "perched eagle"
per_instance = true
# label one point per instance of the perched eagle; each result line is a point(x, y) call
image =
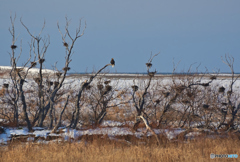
point(112, 62)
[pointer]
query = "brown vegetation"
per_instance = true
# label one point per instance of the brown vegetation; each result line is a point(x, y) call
point(101, 148)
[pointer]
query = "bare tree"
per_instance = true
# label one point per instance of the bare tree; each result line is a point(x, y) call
point(231, 108)
point(84, 85)
point(69, 53)
point(18, 78)
point(40, 52)
point(15, 90)
point(140, 103)
point(39, 47)
point(102, 96)
point(60, 116)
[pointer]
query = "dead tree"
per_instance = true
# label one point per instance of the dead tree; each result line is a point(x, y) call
point(101, 97)
point(84, 85)
point(140, 104)
point(229, 61)
point(69, 53)
point(40, 53)
point(15, 90)
point(46, 103)
point(18, 78)
point(60, 116)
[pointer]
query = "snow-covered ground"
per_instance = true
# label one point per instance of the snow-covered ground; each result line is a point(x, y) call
point(32, 70)
point(108, 127)
point(74, 134)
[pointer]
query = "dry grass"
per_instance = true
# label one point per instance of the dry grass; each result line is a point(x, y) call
point(106, 150)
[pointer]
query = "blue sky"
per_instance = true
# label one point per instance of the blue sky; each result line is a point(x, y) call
point(188, 31)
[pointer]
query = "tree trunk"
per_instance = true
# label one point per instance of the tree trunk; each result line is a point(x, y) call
point(149, 128)
point(15, 114)
point(51, 115)
point(25, 109)
point(60, 117)
point(101, 116)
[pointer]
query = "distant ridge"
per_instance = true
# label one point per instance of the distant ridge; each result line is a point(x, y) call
point(162, 73)
point(31, 70)
point(145, 75)
point(4, 71)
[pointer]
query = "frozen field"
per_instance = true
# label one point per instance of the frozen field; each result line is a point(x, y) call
point(121, 126)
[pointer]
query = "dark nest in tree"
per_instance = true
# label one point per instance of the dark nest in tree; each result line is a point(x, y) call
point(205, 106)
point(5, 85)
point(58, 74)
point(66, 68)
point(149, 65)
point(151, 74)
point(65, 44)
point(33, 64)
point(180, 89)
point(185, 101)
point(13, 46)
point(135, 88)
point(108, 88)
point(18, 70)
point(41, 61)
point(166, 94)
point(224, 104)
point(221, 89)
point(100, 86)
point(56, 83)
point(58, 94)
point(189, 94)
point(37, 80)
point(107, 82)
point(157, 101)
point(213, 77)
point(205, 84)
point(229, 92)
point(88, 87)
point(85, 84)
point(49, 83)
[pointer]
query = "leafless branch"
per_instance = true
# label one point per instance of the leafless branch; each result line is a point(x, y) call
point(151, 57)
